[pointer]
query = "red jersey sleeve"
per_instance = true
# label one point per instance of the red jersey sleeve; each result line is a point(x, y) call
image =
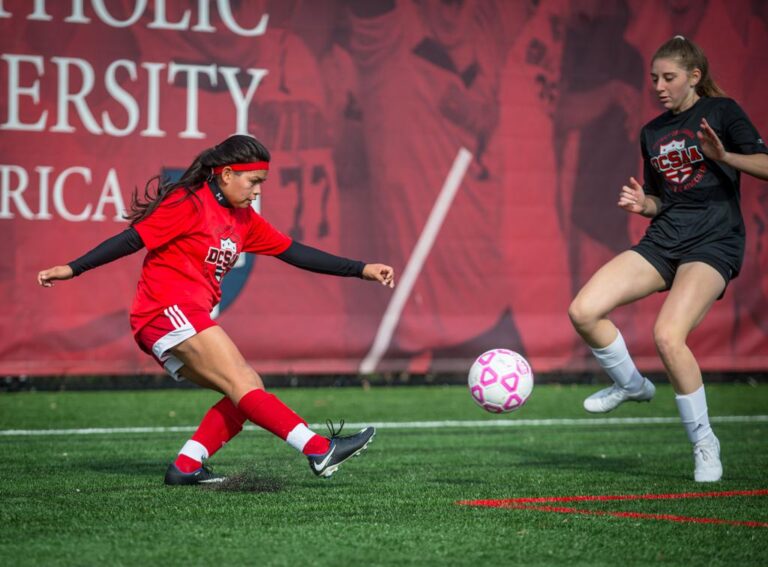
point(263, 238)
point(176, 215)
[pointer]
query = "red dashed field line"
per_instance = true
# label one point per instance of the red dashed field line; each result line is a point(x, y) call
point(536, 504)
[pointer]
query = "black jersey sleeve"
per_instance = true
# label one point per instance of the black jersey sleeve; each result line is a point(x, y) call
point(314, 260)
point(127, 242)
point(740, 135)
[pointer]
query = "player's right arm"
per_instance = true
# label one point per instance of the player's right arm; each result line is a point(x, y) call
point(127, 242)
point(642, 200)
point(633, 199)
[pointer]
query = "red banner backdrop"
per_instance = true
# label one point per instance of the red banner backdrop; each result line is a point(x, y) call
point(477, 146)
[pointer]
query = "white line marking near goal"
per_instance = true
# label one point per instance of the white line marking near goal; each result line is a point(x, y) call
point(419, 255)
point(459, 424)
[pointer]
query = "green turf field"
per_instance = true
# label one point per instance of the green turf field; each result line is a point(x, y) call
point(97, 498)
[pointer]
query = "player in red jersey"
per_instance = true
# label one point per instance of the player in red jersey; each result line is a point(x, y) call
point(693, 156)
point(194, 230)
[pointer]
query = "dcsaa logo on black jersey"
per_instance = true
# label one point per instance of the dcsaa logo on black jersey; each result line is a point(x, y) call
point(675, 161)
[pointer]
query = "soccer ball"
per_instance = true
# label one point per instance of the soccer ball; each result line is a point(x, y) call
point(500, 380)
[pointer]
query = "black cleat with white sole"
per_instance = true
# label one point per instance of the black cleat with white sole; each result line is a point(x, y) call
point(203, 475)
point(341, 449)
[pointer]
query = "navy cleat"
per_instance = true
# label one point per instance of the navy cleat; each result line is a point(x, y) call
point(341, 449)
point(203, 475)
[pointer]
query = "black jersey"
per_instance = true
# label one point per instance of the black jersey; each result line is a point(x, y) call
point(699, 196)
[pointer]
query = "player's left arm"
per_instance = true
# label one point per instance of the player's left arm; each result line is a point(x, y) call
point(755, 164)
point(314, 260)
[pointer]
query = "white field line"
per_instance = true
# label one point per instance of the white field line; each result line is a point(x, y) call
point(415, 263)
point(466, 424)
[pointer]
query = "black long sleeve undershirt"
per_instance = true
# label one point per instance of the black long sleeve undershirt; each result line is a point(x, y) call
point(127, 242)
point(314, 260)
point(297, 254)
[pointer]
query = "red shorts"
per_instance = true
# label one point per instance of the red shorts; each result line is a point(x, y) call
point(173, 326)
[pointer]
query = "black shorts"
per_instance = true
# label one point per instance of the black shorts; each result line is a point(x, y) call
point(724, 256)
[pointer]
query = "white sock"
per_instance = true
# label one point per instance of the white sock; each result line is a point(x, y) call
point(617, 363)
point(299, 436)
point(693, 412)
point(194, 450)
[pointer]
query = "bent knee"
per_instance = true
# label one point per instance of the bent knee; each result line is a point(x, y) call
point(668, 340)
point(244, 375)
point(230, 377)
point(581, 314)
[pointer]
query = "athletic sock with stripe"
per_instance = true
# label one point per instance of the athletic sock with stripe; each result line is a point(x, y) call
point(222, 422)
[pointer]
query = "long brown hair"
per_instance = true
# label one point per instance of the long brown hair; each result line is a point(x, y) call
point(235, 149)
point(690, 56)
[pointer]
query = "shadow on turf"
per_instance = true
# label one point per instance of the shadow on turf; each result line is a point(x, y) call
point(122, 467)
point(248, 482)
point(631, 467)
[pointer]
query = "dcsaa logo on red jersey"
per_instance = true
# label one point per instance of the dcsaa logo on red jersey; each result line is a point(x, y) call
point(223, 258)
point(675, 161)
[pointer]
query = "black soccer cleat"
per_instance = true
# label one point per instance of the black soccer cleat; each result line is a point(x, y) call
point(341, 449)
point(203, 475)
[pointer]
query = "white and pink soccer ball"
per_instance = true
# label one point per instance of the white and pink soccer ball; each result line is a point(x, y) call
point(500, 380)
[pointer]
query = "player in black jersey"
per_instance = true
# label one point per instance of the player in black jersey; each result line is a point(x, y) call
point(694, 154)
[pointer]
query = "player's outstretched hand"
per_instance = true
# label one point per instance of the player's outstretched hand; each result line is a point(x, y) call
point(710, 142)
point(46, 277)
point(380, 273)
point(632, 197)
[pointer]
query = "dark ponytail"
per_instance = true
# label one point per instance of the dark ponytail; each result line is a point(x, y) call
point(690, 56)
point(235, 149)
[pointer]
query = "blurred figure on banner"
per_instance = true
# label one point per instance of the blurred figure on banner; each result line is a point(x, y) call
point(194, 230)
point(429, 86)
point(750, 337)
point(533, 240)
point(596, 125)
point(324, 28)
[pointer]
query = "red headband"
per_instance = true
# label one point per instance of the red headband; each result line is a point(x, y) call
point(253, 166)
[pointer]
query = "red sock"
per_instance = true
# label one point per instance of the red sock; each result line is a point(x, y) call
point(317, 445)
point(187, 464)
point(267, 411)
point(222, 422)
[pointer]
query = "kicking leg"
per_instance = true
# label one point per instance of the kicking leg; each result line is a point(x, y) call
point(214, 359)
point(626, 278)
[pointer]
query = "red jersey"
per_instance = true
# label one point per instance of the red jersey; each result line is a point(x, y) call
point(192, 242)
